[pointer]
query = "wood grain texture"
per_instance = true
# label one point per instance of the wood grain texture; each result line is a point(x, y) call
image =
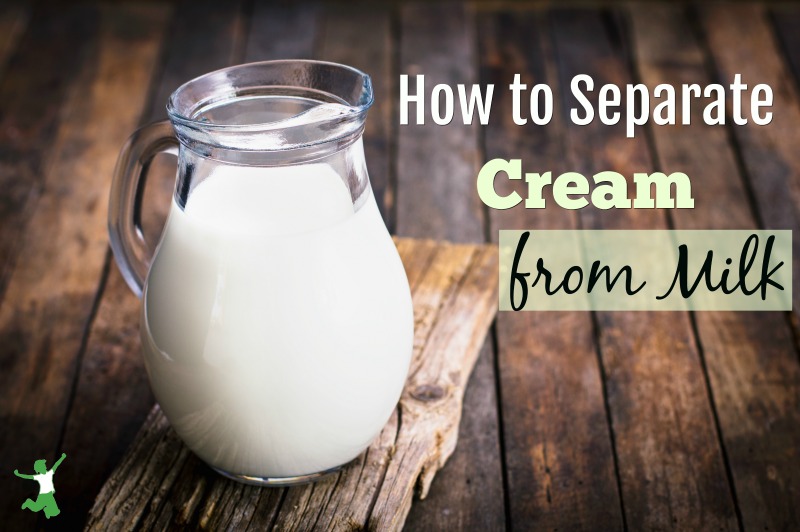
point(281, 30)
point(785, 20)
point(741, 41)
point(34, 85)
point(52, 288)
point(161, 484)
point(752, 366)
point(558, 454)
point(436, 198)
point(437, 165)
point(112, 396)
point(14, 16)
point(669, 459)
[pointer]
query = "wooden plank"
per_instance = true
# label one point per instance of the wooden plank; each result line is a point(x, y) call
point(437, 165)
point(558, 453)
point(361, 36)
point(785, 20)
point(112, 391)
point(669, 458)
point(735, 33)
point(436, 198)
point(281, 30)
point(752, 368)
point(51, 290)
point(14, 16)
point(28, 119)
point(160, 484)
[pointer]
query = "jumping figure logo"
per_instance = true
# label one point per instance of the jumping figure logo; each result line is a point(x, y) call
point(45, 501)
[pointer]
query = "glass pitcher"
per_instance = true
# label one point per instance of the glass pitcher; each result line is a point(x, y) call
point(276, 322)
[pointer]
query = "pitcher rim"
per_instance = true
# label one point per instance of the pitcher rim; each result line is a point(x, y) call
point(180, 118)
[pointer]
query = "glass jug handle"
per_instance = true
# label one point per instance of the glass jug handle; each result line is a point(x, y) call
point(125, 232)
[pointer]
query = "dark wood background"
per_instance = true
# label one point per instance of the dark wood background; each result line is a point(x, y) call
point(572, 421)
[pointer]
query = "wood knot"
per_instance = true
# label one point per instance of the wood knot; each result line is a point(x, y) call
point(428, 393)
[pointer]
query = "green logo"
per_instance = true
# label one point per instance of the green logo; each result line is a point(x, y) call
point(45, 501)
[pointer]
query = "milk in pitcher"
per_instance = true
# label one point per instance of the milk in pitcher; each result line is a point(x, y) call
point(273, 343)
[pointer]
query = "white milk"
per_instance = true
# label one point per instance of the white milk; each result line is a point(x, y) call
point(277, 323)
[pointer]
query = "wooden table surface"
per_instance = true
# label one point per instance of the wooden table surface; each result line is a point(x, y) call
point(572, 420)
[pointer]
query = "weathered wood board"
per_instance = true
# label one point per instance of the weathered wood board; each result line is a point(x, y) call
point(160, 483)
point(558, 450)
point(57, 152)
point(659, 481)
point(436, 39)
